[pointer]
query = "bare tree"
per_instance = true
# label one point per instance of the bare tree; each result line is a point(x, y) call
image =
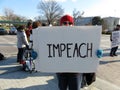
point(8, 13)
point(51, 10)
point(37, 18)
point(77, 14)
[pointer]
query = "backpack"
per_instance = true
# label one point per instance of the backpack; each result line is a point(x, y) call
point(2, 56)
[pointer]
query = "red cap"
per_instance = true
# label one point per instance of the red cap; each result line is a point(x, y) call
point(66, 18)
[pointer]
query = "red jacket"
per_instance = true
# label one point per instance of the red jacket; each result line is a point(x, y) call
point(28, 31)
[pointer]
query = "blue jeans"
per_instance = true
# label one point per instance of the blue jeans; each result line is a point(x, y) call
point(72, 81)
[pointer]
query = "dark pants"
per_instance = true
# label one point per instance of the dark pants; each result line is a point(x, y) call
point(20, 54)
point(113, 50)
point(70, 81)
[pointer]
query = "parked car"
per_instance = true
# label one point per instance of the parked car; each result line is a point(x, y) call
point(3, 31)
point(13, 31)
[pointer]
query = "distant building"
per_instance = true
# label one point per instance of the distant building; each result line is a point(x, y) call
point(109, 23)
point(83, 21)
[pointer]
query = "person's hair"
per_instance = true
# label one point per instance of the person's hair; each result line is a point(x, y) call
point(44, 24)
point(117, 25)
point(36, 24)
point(29, 24)
point(21, 27)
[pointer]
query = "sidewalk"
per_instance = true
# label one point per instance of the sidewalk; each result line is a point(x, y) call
point(13, 78)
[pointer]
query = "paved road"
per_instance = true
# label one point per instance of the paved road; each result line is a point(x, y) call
point(8, 45)
point(13, 78)
point(109, 66)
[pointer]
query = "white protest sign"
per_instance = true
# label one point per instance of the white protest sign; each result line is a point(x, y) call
point(115, 38)
point(67, 49)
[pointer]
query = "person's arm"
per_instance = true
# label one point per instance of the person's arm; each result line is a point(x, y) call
point(25, 41)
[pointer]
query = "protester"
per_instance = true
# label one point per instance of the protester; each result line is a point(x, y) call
point(44, 24)
point(68, 80)
point(35, 25)
point(22, 43)
point(114, 49)
point(28, 29)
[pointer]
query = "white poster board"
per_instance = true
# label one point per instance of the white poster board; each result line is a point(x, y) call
point(67, 49)
point(115, 38)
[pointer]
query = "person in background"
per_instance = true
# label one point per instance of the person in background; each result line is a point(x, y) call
point(68, 80)
point(35, 25)
point(22, 43)
point(44, 24)
point(28, 29)
point(114, 49)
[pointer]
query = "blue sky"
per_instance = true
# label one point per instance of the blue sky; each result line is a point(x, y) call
point(28, 8)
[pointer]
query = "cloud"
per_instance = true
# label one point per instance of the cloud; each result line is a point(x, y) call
point(104, 8)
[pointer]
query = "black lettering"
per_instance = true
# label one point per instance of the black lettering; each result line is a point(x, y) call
point(49, 49)
point(76, 50)
point(82, 56)
point(89, 48)
point(56, 47)
point(68, 48)
point(62, 48)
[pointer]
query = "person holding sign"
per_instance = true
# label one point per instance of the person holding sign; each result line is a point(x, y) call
point(72, 81)
point(114, 41)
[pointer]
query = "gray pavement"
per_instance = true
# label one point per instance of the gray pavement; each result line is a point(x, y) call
point(13, 78)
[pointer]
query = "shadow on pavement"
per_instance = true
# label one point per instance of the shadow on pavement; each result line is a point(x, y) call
point(106, 52)
point(9, 69)
point(106, 62)
point(108, 59)
point(50, 85)
point(108, 49)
